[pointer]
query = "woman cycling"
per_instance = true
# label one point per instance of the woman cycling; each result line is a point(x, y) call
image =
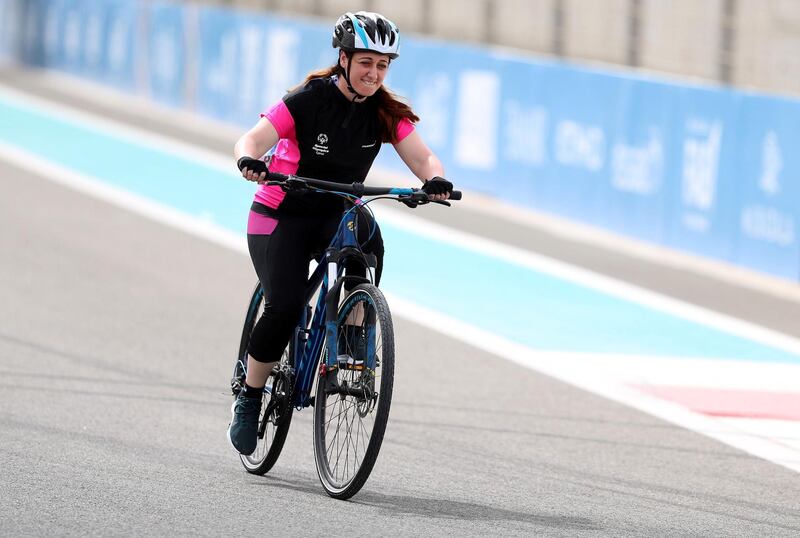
point(329, 127)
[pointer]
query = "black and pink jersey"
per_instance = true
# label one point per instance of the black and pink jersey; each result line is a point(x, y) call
point(325, 136)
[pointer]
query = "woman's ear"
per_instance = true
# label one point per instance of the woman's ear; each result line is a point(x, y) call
point(342, 60)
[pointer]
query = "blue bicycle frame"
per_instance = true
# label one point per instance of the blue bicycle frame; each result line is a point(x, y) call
point(309, 339)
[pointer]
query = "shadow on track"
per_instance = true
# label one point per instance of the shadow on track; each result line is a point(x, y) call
point(432, 508)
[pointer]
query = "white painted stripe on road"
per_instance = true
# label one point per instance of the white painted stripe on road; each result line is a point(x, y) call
point(694, 372)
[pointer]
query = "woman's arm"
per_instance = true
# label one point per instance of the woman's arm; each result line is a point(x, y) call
point(418, 157)
point(425, 165)
point(255, 143)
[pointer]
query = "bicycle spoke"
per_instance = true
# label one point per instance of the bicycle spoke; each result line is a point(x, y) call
point(344, 445)
point(336, 435)
point(348, 441)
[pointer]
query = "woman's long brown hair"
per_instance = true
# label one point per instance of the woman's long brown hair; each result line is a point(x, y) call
point(390, 108)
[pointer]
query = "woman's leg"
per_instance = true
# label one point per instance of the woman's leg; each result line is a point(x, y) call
point(281, 263)
point(279, 254)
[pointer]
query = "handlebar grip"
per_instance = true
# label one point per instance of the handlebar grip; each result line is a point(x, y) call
point(275, 176)
point(455, 195)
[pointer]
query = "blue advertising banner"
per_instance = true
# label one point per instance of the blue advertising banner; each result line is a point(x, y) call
point(702, 171)
point(769, 181)
point(32, 18)
point(248, 61)
point(10, 17)
point(635, 198)
point(91, 38)
point(582, 106)
point(525, 123)
point(167, 53)
point(120, 60)
point(217, 63)
point(705, 170)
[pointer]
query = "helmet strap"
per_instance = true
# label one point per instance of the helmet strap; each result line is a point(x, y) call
point(347, 77)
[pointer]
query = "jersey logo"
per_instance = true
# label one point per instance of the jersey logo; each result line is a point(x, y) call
point(321, 147)
point(369, 145)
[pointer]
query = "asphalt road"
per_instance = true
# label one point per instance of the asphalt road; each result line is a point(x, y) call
point(116, 341)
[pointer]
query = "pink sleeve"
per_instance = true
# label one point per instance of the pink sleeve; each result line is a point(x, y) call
point(404, 128)
point(280, 118)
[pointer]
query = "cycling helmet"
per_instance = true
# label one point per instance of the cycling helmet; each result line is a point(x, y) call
point(366, 31)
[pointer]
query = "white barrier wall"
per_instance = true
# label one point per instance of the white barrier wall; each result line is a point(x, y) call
point(459, 19)
point(408, 15)
point(294, 6)
point(681, 36)
point(768, 45)
point(334, 8)
point(527, 24)
point(597, 30)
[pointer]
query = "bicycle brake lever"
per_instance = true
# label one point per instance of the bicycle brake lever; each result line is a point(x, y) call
point(442, 202)
point(409, 201)
point(293, 184)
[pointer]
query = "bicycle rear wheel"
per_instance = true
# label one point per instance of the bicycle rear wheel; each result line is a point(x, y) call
point(276, 407)
point(351, 406)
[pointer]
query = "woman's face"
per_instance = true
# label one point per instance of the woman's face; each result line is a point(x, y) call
point(367, 71)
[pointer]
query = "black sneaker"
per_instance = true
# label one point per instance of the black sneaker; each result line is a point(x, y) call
point(243, 430)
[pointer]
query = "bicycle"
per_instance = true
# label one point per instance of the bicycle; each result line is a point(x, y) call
point(341, 350)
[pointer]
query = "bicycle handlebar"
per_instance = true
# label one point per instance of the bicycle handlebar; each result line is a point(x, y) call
point(356, 189)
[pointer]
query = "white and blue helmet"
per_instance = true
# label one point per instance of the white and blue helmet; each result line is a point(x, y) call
point(366, 31)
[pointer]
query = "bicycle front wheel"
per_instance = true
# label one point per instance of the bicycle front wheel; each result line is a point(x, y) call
point(351, 406)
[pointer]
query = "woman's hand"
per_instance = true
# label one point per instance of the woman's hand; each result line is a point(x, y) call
point(437, 188)
point(252, 169)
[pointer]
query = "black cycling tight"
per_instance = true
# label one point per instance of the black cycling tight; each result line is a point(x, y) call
point(281, 261)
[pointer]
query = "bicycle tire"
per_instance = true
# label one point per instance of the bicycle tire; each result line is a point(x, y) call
point(279, 387)
point(343, 408)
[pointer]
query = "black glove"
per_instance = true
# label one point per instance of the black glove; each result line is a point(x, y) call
point(254, 165)
point(437, 185)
